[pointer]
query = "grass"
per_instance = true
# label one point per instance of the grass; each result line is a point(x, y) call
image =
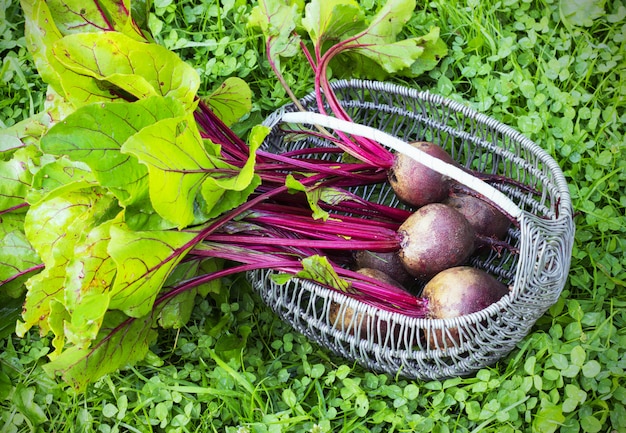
point(237, 368)
point(20, 85)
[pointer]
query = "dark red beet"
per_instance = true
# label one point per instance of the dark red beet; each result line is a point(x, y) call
point(387, 262)
point(379, 275)
point(416, 184)
point(360, 324)
point(485, 219)
point(457, 292)
point(343, 319)
point(434, 238)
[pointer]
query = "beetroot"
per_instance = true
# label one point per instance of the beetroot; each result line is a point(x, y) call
point(387, 262)
point(379, 275)
point(456, 292)
point(360, 324)
point(434, 238)
point(485, 219)
point(343, 320)
point(416, 184)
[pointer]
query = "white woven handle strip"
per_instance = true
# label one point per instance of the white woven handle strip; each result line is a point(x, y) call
point(401, 146)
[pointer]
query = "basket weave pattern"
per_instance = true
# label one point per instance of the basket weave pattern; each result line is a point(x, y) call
point(418, 348)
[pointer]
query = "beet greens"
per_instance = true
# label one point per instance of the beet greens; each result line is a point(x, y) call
point(340, 31)
point(142, 196)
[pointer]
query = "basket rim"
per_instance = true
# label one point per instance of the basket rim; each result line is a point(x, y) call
point(401, 146)
point(565, 204)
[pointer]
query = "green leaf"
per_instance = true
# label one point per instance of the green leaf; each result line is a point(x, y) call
point(548, 419)
point(140, 12)
point(9, 141)
point(121, 341)
point(58, 224)
point(42, 290)
point(411, 391)
point(216, 199)
point(94, 134)
point(289, 397)
point(15, 177)
point(175, 312)
point(591, 424)
point(180, 166)
point(575, 396)
point(10, 309)
point(591, 368)
point(109, 410)
point(434, 50)
point(56, 321)
point(140, 215)
point(28, 131)
point(277, 19)
point(56, 108)
point(376, 51)
point(89, 275)
point(208, 267)
point(529, 365)
point(473, 410)
point(332, 20)
point(361, 405)
point(144, 260)
point(578, 355)
point(560, 361)
point(229, 342)
point(334, 196)
point(390, 20)
point(246, 174)
point(378, 42)
point(41, 35)
point(16, 254)
point(24, 401)
point(6, 388)
point(177, 162)
point(227, 191)
point(581, 12)
point(54, 228)
point(319, 269)
point(59, 177)
point(313, 195)
point(123, 66)
point(281, 278)
point(78, 16)
point(231, 101)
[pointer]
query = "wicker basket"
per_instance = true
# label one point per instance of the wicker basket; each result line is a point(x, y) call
point(418, 348)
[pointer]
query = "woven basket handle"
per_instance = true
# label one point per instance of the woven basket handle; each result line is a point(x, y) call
point(441, 167)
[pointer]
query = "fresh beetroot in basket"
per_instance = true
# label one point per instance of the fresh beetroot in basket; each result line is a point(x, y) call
point(426, 347)
point(484, 218)
point(417, 184)
point(434, 238)
point(387, 262)
point(293, 228)
point(456, 292)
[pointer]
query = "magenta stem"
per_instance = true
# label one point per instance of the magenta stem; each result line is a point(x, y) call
point(34, 268)
point(12, 208)
point(335, 244)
